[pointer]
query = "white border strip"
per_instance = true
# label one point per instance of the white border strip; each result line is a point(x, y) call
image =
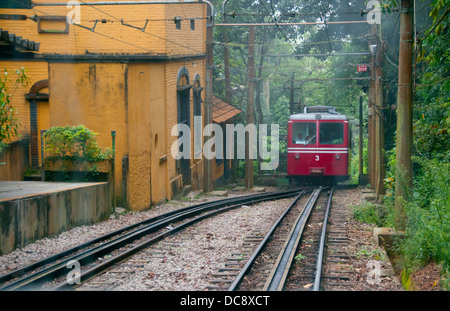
point(293, 151)
point(317, 149)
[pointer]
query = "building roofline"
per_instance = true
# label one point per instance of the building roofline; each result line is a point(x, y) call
point(116, 58)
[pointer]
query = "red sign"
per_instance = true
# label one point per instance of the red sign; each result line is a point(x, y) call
point(362, 68)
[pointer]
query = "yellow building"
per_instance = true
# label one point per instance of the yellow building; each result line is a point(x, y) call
point(134, 67)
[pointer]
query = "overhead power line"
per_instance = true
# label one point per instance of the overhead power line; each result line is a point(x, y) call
point(319, 54)
point(107, 36)
point(290, 24)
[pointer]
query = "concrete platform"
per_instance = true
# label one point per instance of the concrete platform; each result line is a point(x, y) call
point(11, 190)
point(31, 210)
point(384, 236)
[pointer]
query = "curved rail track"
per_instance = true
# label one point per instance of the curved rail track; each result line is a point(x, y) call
point(37, 275)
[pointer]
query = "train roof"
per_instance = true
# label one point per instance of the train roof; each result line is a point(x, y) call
point(318, 112)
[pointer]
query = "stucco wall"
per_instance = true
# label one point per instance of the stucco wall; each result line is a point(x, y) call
point(94, 95)
point(29, 218)
point(160, 35)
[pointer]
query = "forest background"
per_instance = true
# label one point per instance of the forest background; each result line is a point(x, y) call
point(281, 55)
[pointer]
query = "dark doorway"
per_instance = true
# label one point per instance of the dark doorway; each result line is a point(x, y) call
point(39, 119)
point(184, 117)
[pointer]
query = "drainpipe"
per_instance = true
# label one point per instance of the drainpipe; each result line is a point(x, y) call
point(113, 136)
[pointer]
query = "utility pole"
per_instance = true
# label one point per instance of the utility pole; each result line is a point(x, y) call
point(291, 96)
point(360, 139)
point(403, 169)
point(372, 112)
point(226, 56)
point(250, 109)
point(379, 122)
point(208, 166)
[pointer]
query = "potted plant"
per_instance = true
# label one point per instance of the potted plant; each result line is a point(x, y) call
point(72, 154)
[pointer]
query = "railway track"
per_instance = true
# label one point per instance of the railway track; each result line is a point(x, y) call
point(51, 273)
point(300, 245)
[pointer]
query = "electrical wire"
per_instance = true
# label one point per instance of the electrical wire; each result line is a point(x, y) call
point(111, 37)
point(276, 23)
point(156, 36)
point(97, 33)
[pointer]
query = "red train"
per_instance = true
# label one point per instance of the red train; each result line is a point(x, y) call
point(319, 142)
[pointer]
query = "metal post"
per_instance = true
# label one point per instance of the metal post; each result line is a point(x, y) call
point(42, 156)
point(379, 125)
point(113, 136)
point(250, 110)
point(208, 181)
point(291, 96)
point(361, 167)
point(403, 178)
point(371, 117)
point(226, 57)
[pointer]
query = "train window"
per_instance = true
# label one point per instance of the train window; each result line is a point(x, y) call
point(304, 133)
point(331, 133)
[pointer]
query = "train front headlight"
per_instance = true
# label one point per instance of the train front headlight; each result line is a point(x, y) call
point(338, 156)
point(297, 156)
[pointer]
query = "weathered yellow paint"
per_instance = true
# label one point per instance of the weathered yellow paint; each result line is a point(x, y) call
point(36, 71)
point(160, 36)
point(138, 100)
point(93, 95)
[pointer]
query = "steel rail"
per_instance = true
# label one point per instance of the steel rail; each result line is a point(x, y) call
point(246, 269)
point(279, 274)
point(318, 274)
point(16, 273)
point(39, 264)
point(151, 225)
point(86, 276)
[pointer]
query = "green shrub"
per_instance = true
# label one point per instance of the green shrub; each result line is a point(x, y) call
point(428, 226)
point(372, 214)
point(74, 142)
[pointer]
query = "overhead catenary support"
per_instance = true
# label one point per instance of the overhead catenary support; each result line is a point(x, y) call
point(403, 168)
point(291, 96)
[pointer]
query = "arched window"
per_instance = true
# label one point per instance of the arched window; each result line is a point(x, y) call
point(39, 118)
point(183, 165)
point(197, 117)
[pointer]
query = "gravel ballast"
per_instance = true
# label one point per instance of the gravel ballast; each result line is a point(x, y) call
point(188, 259)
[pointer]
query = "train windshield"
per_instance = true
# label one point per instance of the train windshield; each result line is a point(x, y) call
point(331, 133)
point(304, 133)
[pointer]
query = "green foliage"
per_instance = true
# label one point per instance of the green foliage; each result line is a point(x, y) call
point(8, 119)
point(298, 258)
point(429, 215)
point(74, 142)
point(370, 253)
point(373, 214)
point(427, 212)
